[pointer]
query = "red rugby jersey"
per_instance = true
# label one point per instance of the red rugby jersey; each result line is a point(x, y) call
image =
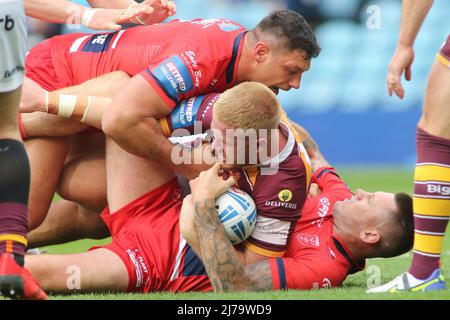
point(179, 59)
point(315, 257)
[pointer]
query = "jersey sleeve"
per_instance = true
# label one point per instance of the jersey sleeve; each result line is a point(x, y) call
point(279, 199)
point(331, 184)
point(181, 76)
point(304, 274)
point(191, 116)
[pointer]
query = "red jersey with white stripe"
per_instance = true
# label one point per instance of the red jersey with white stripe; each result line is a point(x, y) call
point(147, 238)
point(315, 257)
point(179, 59)
point(278, 187)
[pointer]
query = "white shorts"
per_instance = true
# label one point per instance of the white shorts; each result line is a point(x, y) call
point(13, 44)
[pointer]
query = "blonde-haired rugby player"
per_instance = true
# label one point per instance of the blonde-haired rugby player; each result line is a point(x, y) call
point(148, 191)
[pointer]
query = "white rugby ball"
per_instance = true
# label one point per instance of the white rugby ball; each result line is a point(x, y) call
point(237, 212)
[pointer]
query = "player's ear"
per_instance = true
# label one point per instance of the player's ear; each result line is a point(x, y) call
point(370, 236)
point(262, 144)
point(261, 51)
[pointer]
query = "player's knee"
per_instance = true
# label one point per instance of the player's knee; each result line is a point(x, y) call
point(90, 224)
point(93, 198)
point(90, 194)
point(64, 187)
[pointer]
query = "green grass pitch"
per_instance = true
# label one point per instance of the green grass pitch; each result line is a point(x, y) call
point(386, 179)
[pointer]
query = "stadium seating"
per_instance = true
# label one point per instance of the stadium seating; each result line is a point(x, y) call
point(354, 59)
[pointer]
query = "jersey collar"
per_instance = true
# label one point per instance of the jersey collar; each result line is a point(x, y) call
point(355, 265)
point(287, 150)
point(236, 54)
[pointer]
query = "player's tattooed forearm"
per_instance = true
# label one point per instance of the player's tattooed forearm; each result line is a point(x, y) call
point(261, 276)
point(318, 162)
point(219, 257)
point(309, 143)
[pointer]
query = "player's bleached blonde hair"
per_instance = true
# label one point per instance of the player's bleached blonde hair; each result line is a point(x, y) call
point(249, 105)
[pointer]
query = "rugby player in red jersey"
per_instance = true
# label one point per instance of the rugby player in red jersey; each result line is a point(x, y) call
point(149, 254)
point(279, 195)
point(180, 59)
point(283, 40)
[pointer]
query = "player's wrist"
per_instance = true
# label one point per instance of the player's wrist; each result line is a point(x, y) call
point(87, 16)
point(135, 20)
point(46, 98)
point(68, 106)
point(404, 44)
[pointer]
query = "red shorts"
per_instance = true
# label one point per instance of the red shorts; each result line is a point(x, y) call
point(147, 238)
point(444, 53)
point(39, 67)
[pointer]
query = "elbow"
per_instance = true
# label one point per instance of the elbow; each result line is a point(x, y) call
point(116, 124)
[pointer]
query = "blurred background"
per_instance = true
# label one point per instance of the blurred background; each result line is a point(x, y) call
point(342, 100)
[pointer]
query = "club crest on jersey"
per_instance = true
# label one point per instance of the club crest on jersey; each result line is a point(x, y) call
point(174, 77)
point(308, 240)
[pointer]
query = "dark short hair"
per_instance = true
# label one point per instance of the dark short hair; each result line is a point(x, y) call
point(401, 235)
point(291, 26)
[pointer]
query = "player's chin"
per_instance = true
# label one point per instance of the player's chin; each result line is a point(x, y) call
point(338, 208)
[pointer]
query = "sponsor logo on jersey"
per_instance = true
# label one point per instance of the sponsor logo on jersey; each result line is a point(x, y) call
point(189, 57)
point(8, 22)
point(285, 195)
point(210, 105)
point(324, 208)
point(442, 190)
point(98, 43)
point(281, 204)
point(206, 23)
point(185, 113)
point(213, 83)
point(174, 77)
point(140, 267)
point(228, 26)
point(308, 240)
point(12, 72)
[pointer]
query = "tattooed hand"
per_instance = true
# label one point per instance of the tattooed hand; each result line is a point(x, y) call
point(209, 185)
point(222, 263)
